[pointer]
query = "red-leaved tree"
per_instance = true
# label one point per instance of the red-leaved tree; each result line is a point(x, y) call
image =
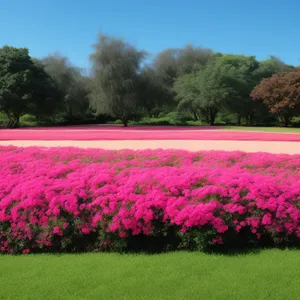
point(281, 94)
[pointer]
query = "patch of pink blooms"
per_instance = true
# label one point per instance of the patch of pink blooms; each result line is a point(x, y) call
point(51, 194)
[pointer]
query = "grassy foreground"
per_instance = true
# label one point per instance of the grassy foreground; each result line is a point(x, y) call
point(270, 274)
point(264, 129)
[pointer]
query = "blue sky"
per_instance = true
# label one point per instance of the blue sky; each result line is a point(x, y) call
point(253, 27)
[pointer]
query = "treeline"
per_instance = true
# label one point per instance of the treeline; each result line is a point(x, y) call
point(192, 85)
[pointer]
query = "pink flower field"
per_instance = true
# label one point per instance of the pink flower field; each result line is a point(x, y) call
point(69, 199)
point(94, 132)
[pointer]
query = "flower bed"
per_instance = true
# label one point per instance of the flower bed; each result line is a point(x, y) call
point(113, 133)
point(68, 199)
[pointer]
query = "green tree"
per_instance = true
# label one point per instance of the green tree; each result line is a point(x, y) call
point(271, 66)
point(15, 79)
point(116, 67)
point(191, 59)
point(171, 64)
point(152, 93)
point(237, 75)
point(200, 93)
point(224, 84)
point(188, 95)
point(213, 91)
point(45, 95)
point(72, 86)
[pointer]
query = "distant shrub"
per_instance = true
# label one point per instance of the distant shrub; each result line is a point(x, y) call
point(295, 121)
point(172, 118)
point(28, 120)
point(3, 120)
point(194, 123)
point(103, 118)
point(226, 118)
point(154, 121)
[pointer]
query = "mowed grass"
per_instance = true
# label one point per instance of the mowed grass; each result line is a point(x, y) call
point(264, 129)
point(270, 274)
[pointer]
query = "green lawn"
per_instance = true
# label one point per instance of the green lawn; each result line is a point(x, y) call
point(266, 129)
point(270, 274)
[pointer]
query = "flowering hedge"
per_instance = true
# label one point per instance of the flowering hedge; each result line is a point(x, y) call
point(68, 199)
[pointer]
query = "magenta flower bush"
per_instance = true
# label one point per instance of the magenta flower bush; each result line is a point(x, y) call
point(68, 199)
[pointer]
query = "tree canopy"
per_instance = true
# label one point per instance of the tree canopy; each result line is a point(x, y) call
point(124, 83)
point(281, 94)
point(116, 65)
point(72, 86)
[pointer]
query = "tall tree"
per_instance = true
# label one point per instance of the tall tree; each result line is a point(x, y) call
point(116, 67)
point(225, 83)
point(152, 93)
point(271, 66)
point(213, 91)
point(175, 62)
point(192, 59)
point(15, 79)
point(72, 86)
point(201, 93)
point(281, 94)
point(166, 66)
point(25, 87)
point(237, 73)
point(188, 95)
point(45, 96)
point(172, 63)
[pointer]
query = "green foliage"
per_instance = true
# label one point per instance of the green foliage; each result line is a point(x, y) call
point(225, 85)
point(195, 123)
point(188, 95)
point(45, 100)
point(25, 87)
point(73, 88)
point(152, 93)
point(207, 87)
point(3, 120)
point(271, 66)
point(28, 120)
point(200, 94)
point(116, 82)
point(226, 118)
point(15, 83)
point(238, 81)
point(155, 121)
point(170, 119)
point(295, 121)
point(172, 63)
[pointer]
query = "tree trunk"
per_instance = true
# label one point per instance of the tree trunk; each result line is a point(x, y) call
point(247, 120)
point(212, 117)
point(239, 118)
point(207, 118)
point(125, 123)
point(17, 121)
point(286, 120)
point(52, 118)
point(251, 117)
point(195, 116)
